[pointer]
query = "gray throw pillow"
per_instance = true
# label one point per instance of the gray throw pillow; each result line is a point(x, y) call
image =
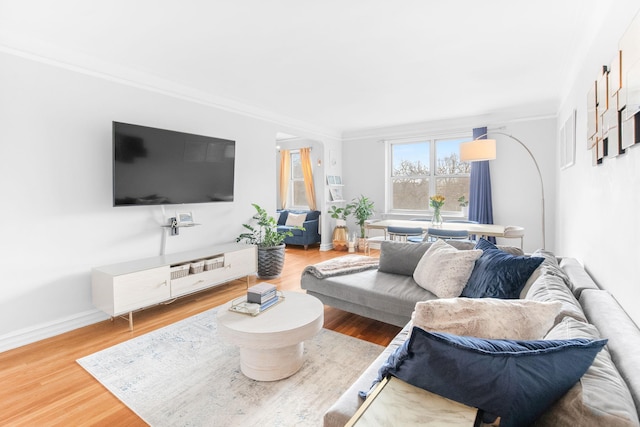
point(401, 258)
point(445, 270)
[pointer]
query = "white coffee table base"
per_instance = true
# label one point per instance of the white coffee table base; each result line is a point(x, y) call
point(271, 364)
point(272, 344)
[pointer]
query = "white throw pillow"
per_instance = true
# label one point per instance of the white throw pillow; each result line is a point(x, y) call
point(295, 220)
point(444, 270)
point(490, 318)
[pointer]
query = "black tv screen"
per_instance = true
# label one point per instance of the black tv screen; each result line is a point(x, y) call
point(162, 167)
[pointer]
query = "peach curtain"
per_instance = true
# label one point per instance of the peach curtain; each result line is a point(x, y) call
point(307, 173)
point(285, 174)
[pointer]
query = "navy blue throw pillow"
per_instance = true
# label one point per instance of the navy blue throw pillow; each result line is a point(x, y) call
point(497, 274)
point(485, 244)
point(516, 380)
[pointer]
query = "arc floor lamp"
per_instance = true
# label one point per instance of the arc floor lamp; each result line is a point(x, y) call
point(485, 149)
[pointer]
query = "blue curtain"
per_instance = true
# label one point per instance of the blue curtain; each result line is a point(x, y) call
point(480, 205)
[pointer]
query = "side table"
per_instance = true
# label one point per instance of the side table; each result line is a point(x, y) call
point(396, 403)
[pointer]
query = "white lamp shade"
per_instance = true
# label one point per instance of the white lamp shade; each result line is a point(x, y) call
point(478, 150)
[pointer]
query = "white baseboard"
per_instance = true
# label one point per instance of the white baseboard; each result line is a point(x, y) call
point(47, 330)
point(326, 246)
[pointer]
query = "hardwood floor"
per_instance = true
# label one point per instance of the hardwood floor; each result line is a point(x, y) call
point(42, 385)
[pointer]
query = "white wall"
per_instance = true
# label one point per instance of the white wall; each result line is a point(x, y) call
point(514, 179)
point(597, 209)
point(333, 165)
point(55, 187)
point(516, 189)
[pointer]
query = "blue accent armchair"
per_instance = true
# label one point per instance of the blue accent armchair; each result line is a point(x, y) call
point(305, 237)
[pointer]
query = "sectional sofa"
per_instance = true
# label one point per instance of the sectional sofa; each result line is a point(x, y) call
point(388, 293)
point(607, 394)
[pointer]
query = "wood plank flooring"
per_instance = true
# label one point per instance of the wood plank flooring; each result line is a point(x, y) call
point(42, 385)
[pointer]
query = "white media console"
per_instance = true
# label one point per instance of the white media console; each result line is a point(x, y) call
point(123, 288)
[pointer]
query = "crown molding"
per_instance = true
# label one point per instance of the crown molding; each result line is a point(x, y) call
point(444, 126)
point(127, 76)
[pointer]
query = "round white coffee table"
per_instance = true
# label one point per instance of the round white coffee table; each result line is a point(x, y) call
point(272, 343)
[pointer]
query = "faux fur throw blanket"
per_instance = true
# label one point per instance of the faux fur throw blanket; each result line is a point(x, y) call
point(342, 265)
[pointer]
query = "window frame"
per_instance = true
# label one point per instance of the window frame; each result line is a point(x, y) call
point(432, 177)
point(292, 181)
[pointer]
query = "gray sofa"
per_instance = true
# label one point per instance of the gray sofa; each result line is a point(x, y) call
point(388, 293)
point(608, 393)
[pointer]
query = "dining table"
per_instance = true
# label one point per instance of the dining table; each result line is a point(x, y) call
point(480, 230)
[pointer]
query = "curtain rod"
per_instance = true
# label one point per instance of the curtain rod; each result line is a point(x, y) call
point(278, 148)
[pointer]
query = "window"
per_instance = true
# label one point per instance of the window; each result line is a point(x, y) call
point(297, 194)
point(421, 169)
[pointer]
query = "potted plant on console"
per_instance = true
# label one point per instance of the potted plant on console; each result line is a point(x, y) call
point(362, 211)
point(340, 235)
point(269, 240)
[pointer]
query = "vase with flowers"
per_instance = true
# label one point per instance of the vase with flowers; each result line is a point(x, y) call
point(436, 202)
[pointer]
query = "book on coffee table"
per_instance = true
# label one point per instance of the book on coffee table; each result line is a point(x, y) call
point(241, 305)
point(261, 293)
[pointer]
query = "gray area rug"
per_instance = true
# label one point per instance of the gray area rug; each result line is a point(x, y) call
point(184, 375)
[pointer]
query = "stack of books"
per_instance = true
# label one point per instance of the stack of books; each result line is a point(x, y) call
point(264, 294)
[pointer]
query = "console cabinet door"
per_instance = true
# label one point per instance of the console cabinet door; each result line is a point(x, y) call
point(141, 289)
point(242, 262)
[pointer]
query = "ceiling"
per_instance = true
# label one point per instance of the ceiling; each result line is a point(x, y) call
point(339, 65)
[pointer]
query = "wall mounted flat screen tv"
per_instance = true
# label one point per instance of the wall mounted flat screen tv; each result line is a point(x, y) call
point(163, 167)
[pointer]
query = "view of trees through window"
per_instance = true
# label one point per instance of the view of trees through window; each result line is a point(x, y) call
point(422, 169)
